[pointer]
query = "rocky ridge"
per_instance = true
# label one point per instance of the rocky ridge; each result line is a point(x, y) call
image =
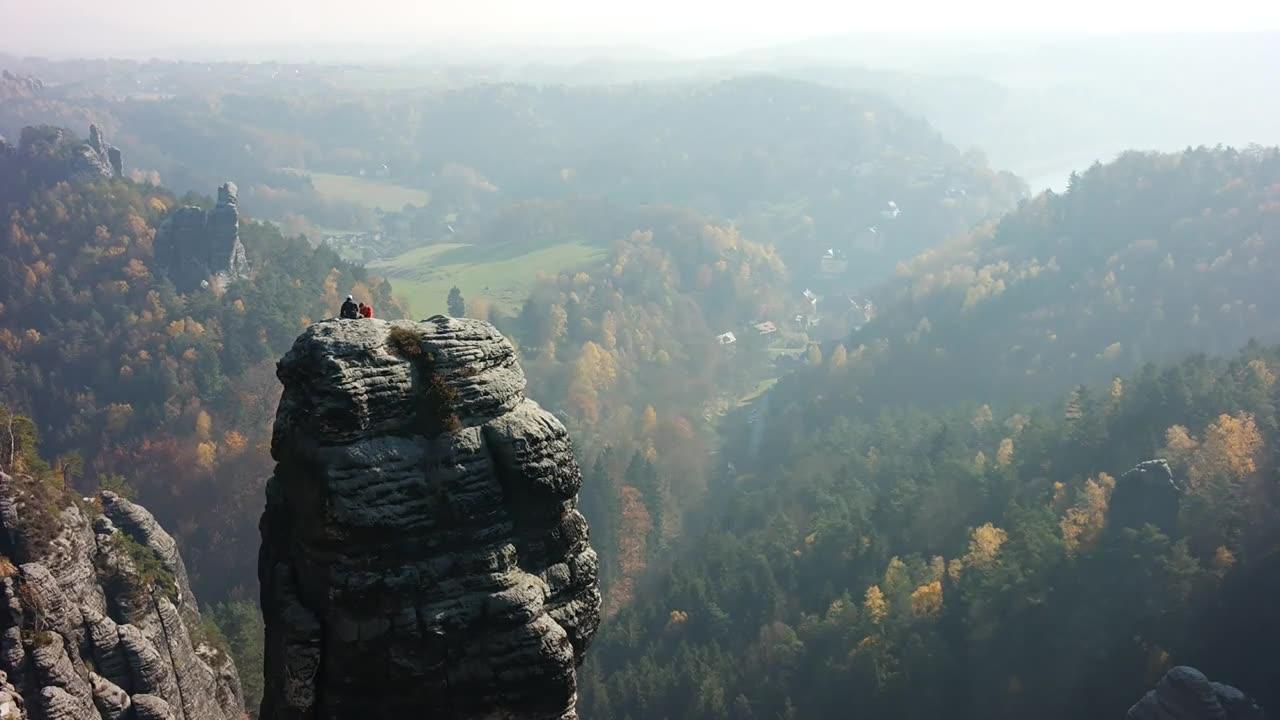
point(46, 155)
point(422, 554)
point(194, 246)
point(97, 619)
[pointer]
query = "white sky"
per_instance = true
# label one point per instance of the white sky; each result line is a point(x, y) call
point(166, 27)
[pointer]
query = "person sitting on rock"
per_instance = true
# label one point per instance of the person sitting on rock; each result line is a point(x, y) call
point(366, 310)
point(349, 311)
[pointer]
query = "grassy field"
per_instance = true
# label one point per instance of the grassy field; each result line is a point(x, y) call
point(366, 191)
point(502, 275)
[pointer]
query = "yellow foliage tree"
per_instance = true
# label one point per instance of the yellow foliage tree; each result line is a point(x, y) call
point(1004, 454)
point(839, 358)
point(204, 425)
point(1223, 560)
point(937, 567)
point(984, 545)
point(1232, 445)
point(594, 371)
point(926, 600)
point(1263, 373)
point(1083, 523)
point(874, 605)
point(1229, 449)
point(206, 455)
point(233, 442)
point(676, 619)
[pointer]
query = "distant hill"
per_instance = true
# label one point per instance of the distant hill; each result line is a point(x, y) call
point(1144, 259)
point(800, 165)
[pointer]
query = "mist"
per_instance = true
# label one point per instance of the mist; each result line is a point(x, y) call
point(726, 360)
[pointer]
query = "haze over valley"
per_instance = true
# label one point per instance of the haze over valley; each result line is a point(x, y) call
point(563, 360)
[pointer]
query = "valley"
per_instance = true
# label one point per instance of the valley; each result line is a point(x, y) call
point(858, 418)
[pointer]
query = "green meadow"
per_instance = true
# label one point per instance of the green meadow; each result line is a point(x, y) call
point(503, 275)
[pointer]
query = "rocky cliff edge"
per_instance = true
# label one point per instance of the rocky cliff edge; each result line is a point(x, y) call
point(97, 620)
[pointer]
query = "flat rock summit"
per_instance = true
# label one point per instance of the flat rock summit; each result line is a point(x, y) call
point(422, 554)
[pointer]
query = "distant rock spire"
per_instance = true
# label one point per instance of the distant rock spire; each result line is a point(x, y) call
point(193, 246)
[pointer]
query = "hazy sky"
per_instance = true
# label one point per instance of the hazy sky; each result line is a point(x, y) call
point(173, 27)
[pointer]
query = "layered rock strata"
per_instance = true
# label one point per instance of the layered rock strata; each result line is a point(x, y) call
point(97, 619)
point(422, 554)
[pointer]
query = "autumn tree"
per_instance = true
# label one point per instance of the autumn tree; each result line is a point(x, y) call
point(874, 605)
point(984, 545)
point(926, 600)
point(1084, 522)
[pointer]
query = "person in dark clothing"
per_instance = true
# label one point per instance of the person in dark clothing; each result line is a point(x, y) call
point(349, 311)
point(366, 310)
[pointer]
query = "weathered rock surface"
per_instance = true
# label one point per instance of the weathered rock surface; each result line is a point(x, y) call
point(422, 554)
point(96, 614)
point(194, 246)
point(46, 155)
point(1184, 693)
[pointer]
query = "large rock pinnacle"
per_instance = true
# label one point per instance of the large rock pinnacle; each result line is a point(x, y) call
point(422, 554)
point(194, 246)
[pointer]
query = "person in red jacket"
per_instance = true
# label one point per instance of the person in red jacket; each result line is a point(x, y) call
point(366, 310)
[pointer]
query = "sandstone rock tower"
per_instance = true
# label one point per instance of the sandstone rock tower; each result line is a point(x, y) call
point(193, 245)
point(422, 555)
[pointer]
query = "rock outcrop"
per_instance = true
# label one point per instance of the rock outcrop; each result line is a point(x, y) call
point(103, 151)
point(97, 619)
point(1146, 494)
point(422, 554)
point(46, 155)
point(196, 247)
point(1184, 693)
point(19, 86)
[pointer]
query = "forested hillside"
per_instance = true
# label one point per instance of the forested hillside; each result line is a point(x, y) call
point(1144, 259)
point(626, 351)
point(975, 562)
point(125, 377)
point(900, 522)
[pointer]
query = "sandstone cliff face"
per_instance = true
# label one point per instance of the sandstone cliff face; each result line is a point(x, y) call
point(422, 555)
point(193, 245)
point(1184, 693)
point(97, 619)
